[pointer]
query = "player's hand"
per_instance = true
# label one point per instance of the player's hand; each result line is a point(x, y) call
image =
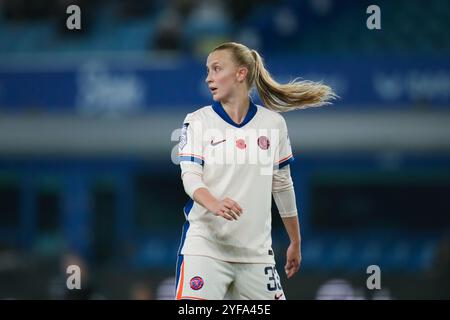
point(227, 208)
point(293, 259)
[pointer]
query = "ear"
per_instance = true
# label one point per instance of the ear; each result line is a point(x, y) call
point(241, 74)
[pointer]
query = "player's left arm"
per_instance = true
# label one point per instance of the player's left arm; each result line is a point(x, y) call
point(293, 254)
point(284, 196)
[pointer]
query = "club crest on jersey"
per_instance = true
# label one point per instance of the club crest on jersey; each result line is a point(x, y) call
point(183, 137)
point(264, 142)
point(196, 283)
point(240, 143)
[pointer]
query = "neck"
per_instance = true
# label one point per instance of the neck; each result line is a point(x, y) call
point(237, 107)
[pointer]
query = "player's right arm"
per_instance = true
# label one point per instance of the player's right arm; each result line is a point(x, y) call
point(226, 208)
point(190, 154)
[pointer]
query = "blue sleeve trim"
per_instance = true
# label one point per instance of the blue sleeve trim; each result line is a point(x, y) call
point(286, 162)
point(192, 159)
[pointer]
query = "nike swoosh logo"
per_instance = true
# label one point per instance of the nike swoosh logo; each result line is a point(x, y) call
point(217, 142)
point(277, 297)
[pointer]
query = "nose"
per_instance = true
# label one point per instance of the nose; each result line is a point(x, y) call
point(208, 79)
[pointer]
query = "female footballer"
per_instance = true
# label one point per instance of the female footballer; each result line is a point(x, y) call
point(234, 156)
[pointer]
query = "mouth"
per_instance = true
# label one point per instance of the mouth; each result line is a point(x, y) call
point(213, 90)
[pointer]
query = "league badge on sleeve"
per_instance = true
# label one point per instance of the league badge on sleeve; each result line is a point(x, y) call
point(183, 136)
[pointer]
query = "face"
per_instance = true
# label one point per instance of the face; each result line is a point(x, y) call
point(223, 76)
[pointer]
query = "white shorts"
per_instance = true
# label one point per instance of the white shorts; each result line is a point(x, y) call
point(205, 278)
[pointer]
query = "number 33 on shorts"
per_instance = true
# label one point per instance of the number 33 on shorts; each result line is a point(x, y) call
point(274, 284)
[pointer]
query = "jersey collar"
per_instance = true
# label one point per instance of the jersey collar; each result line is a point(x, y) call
point(218, 108)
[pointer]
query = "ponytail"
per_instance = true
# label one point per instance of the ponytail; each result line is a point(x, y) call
point(275, 96)
point(291, 96)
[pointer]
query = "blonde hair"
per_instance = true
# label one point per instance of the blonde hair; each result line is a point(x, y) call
point(275, 96)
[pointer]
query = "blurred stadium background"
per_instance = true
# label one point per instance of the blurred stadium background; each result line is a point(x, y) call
point(88, 125)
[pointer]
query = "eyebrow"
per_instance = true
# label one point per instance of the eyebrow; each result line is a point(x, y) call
point(213, 63)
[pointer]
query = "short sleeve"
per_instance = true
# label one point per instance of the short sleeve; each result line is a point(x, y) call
point(190, 147)
point(284, 155)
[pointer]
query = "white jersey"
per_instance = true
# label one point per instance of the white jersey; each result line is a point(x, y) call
point(236, 161)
